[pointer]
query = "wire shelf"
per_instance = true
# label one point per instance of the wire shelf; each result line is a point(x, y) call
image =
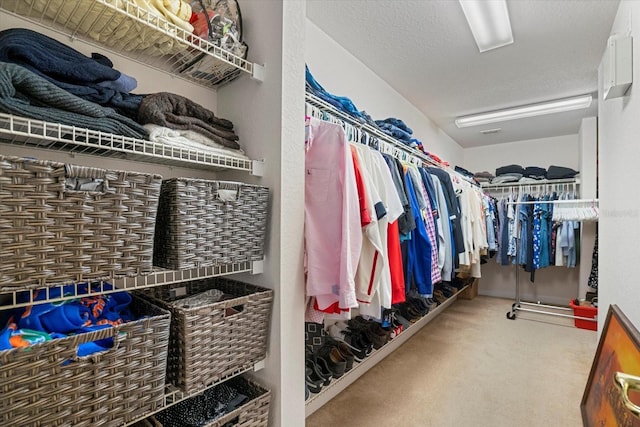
point(53, 136)
point(538, 183)
point(22, 297)
point(124, 28)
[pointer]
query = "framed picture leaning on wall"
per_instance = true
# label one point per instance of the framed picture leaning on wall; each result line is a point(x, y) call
point(612, 394)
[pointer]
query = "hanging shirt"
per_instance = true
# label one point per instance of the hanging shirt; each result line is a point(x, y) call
point(370, 264)
point(418, 250)
point(453, 206)
point(445, 230)
point(381, 177)
point(427, 214)
point(406, 222)
point(333, 234)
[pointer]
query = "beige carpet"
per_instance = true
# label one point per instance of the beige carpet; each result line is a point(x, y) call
point(472, 367)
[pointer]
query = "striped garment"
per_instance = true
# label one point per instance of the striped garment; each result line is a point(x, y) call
point(26, 94)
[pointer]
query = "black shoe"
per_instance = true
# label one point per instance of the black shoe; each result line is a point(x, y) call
point(313, 380)
point(355, 340)
point(419, 304)
point(335, 362)
point(372, 330)
point(408, 312)
point(319, 369)
point(307, 393)
point(448, 290)
point(345, 352)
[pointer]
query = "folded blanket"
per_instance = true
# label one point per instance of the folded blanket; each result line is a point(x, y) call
point(26, 94)
point(180, 113)
point(105, 22)
point(190, 140)
point(67, 68)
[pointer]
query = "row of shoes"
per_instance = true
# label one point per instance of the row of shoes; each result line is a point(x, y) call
point(414, 308)
point(354, 340)
point(347, 342)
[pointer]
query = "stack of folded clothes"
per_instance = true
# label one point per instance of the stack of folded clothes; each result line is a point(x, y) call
point(510, 173)
point(40, 323)
point(531, 174)
point(27, 94)
point(342, 103)
point(397, 129)
point(483, 177)
point(561, 172)
point(90, 78)
point(187, 119)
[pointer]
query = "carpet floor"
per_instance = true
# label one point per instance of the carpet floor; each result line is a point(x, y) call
point(471, 366)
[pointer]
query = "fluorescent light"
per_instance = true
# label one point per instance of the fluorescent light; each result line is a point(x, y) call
point(557, 106)
point(489, 22)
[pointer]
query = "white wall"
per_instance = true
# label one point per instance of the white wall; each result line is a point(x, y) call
point(270, 114)
point(619, 151)
point(340, 73)
point(553, 285)
point(588, 136)
point(543, 152)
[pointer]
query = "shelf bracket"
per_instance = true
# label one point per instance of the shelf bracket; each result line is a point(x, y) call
point(258, 72)
point(257, 167)
point(257, 267)
point(259, 365)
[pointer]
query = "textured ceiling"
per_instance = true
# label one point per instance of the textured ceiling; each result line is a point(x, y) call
point(425, 50)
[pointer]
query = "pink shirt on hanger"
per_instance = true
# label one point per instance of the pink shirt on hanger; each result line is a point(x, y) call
point(333, 234)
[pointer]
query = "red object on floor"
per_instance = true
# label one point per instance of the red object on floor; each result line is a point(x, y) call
point(585, 311)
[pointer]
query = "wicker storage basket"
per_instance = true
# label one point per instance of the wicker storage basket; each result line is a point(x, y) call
point(253, 413)
point(48, 384)
point(52, 235)
point(203, 223)
point(212, 341)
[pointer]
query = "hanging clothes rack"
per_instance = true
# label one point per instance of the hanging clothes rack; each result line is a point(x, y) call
point(546, 185)
point(316, 107)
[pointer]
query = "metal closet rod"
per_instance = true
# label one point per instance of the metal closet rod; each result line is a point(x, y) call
point(542, 182)
point(316, 102)
point(554, 202)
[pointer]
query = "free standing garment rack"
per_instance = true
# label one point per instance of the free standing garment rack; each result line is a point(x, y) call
point(543, 185)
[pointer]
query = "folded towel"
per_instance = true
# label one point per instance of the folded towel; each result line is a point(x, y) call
point(26, 94)
point(192, 140)
point(177, 112)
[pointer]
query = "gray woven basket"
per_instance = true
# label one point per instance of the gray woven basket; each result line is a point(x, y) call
point(254, 413)
point(51, 235)
point(197, 228)
point(47, 384)
point(211, 342)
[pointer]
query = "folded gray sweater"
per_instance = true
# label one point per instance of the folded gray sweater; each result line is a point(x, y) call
point(177, 112)
point(26, 94)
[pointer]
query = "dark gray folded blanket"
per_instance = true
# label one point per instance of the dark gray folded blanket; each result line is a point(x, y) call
point(26, 94)
point(180, 113)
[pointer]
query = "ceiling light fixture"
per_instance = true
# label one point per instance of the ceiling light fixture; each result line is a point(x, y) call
point(489, 22)
point(557, 106)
